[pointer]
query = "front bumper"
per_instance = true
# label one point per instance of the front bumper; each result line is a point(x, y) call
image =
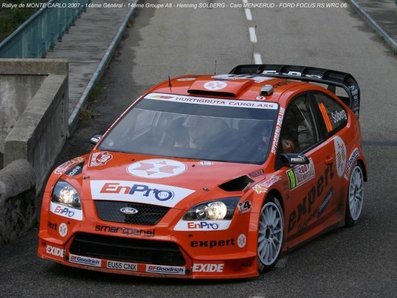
point(155, 251)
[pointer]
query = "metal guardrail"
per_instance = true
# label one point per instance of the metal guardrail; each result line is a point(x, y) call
point(40, 32)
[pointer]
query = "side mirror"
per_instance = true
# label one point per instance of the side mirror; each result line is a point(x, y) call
point(292, 159)
point(95, 139)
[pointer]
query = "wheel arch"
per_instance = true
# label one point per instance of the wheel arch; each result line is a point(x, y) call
point(361, 163)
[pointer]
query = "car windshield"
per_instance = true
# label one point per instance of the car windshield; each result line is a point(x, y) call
point(195, 128)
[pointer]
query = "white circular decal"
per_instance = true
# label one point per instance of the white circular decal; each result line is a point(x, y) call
point(215, 85)
point(241, 240)
point(156, 168)
point(340, 155)
point(63, 229)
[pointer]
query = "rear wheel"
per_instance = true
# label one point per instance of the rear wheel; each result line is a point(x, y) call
point(355, 198)
point(270, 234)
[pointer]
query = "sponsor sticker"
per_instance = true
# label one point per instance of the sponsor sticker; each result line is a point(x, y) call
point(325, 202)
point(350, 162)
point(125, 231)
point(301, 174)
point(55, 251)
point(165, 269)
point(340, 155)
point(156, 168)
point(208, 268)
point(208, 225)
point(256, 79)
point(206, 163)
point(215, 85)
point(264, 186)
point(141, 192)
point(121, 266)
point(338, 116)
point(93, 262)
point(185, 79)
point(63, 230)
point(214, 101)
point(277, 130)
point(213, 243)
point(67, 165)
point(67, 212)
point(100, 158)
point(241, 240)
point(245, 206)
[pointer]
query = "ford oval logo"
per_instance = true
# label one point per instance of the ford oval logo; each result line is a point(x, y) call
point(128, 210)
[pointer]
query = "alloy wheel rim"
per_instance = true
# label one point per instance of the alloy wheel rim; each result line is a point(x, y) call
point(356, 193)
point(270, 236)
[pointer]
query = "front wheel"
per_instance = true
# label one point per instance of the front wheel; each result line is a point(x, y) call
point(270, 234)
point(355, 196)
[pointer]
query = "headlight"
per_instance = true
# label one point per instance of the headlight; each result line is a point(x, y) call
point(215, 210)
point(66, 194)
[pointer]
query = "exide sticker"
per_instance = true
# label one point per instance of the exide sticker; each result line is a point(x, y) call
point(208, 268)
point(208, 225)
point(67, 212)
point(132, 191)
point(55, 251)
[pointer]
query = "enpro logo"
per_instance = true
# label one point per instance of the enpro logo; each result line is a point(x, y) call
point(202, 225)
point(140, 189)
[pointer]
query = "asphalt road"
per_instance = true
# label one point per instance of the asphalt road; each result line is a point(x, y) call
point(356, 262)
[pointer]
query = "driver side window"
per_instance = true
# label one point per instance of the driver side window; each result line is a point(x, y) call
point(299, 131)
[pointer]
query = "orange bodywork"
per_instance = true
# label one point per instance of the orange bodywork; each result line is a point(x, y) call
point(209, 249)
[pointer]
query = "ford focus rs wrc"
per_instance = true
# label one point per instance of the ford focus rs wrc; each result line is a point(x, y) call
point(212, 176)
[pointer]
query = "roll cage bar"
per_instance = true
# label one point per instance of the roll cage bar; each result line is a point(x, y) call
point(331, 78)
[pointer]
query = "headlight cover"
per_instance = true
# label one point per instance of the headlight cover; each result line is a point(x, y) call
point(66, 194)
point(222, 209)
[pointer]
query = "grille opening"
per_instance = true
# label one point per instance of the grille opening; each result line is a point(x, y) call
point(127, 249)
point(147, 214)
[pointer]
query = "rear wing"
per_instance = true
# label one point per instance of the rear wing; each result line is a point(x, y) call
point(331, 78)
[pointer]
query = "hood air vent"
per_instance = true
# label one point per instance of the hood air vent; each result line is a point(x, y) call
point(237, 184)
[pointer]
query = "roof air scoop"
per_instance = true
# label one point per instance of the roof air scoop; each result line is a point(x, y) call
point(225, 88)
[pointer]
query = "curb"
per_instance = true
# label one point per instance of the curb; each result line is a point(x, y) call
point(374, 25)
point(73, 118)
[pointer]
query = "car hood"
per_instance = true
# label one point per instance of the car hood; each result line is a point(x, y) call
point(158, 180)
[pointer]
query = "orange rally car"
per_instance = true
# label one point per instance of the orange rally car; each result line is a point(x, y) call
point(212, 176)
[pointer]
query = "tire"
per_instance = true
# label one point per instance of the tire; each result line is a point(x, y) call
point(270, 234)
point(355, 196)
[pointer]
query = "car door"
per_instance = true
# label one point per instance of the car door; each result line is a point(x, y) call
point(311, 184)
point(333, 117)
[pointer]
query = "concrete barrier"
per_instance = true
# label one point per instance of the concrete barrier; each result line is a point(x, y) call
point(17, 199)
point(38, 127)
point(33, 129)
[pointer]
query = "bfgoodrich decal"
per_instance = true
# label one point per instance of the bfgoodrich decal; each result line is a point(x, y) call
point(142, 192)
point(165, 269)
point(85, 260)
